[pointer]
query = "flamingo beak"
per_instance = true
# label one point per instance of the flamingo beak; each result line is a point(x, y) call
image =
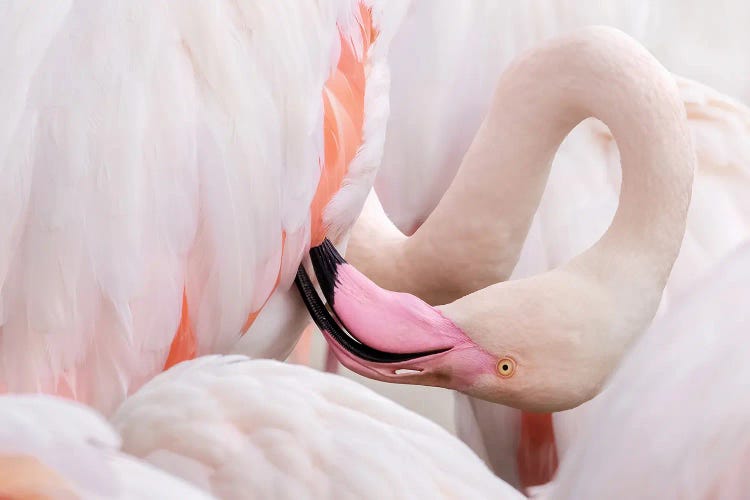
point(387, 335)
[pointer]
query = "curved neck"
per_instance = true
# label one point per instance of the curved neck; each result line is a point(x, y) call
point(565, 328)
point(483, 218)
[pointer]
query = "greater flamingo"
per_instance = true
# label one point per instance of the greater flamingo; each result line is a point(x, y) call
point(721, 129)
point(88, 296)
point(581, 195)
point(547, 342)
point(165, 167)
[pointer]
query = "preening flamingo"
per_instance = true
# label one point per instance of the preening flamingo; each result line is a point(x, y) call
point(165, 167)
point(581, 195)
point(720, 128)
point(51, 448)
point(550, 341)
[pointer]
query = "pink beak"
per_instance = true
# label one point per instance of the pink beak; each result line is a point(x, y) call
point(387, 335)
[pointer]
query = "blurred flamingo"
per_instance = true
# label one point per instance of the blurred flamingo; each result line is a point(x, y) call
point(54, 448)
point(241, 428)
point(672, 422)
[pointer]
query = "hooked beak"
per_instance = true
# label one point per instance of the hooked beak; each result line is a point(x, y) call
point(387, 335)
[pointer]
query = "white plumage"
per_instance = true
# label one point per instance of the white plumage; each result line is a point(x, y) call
point(672, 422)
point(581, 199)
point(154, 153)
point(52, 448)
point(447, 56)
point(244, 428)
point(447, 88)
point(152, 150)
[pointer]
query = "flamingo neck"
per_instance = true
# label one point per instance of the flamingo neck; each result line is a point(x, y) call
point(494, 196)
point(568, 327)
point(492, 200)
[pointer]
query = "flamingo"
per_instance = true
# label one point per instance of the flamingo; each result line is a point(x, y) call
point(211, 420)
point(55, 448)
point(581, 195)
point(223, 423)
point(165, 167)
point(482, 344)
point(720, 127)
point(220, 427)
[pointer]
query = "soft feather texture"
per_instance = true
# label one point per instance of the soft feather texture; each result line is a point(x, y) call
point(243, 428)
point(152, 149)
point(582, 193)
point(582, 196)
point(81, 452)
point(718, 219)
point(496, 444)
point(672, 422)
point(445, 62)
point(447, 57)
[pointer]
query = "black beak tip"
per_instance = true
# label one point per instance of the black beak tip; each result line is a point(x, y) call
point(326, 261)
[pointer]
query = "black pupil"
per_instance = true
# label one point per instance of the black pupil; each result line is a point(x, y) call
point(505, 368)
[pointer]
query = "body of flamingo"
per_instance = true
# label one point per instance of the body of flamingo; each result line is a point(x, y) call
point(236, 428)
point(165, 167)
point(241, 428)
point(672, 421)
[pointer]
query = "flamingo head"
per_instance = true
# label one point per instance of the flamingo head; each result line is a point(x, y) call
point(397, 337)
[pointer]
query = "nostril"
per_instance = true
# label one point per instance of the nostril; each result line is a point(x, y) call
point(406, 371)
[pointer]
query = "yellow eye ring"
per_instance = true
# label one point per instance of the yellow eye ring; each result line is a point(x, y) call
point(506, 367)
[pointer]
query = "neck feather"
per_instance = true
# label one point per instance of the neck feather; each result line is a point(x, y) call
point(484, 217)
point(567, 328)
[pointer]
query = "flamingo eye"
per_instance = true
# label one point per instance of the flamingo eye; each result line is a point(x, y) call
point(506, 367)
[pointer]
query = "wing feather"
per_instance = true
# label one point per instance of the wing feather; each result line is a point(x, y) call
point(645, 436)
point(152, 151)
point(301, 432)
